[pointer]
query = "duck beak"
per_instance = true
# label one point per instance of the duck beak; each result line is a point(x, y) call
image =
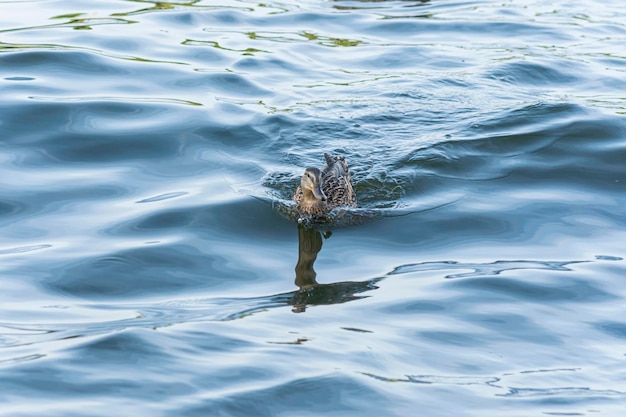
point(318, 193)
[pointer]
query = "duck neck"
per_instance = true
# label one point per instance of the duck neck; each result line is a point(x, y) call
point(312, 204)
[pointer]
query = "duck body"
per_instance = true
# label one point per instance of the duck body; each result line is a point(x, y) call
point(322, 190)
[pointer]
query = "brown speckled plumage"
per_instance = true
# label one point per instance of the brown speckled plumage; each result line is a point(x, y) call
point(334, 181)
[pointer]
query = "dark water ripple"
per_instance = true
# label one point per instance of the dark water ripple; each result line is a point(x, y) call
point(148, 152)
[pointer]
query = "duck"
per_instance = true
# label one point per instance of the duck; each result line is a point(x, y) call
point(322, 190)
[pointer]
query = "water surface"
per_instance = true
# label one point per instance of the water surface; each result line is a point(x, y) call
point(148, 150)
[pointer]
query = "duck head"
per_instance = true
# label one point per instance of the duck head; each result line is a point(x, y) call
point(311, 184)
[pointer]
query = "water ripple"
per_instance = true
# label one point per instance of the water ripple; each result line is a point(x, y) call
point(499, 384)
point(148, 156)
point(162, 197)
point(482, 270)
point(23, 249)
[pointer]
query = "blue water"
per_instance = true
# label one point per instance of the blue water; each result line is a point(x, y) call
point(148, 262)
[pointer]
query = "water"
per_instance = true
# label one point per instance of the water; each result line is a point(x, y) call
point(147, 153)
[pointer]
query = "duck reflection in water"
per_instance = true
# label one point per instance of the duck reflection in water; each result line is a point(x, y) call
point(312, 293)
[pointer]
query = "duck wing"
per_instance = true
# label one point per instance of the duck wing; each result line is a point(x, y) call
point(339, 192)
point(337, 183)
point(335, 166)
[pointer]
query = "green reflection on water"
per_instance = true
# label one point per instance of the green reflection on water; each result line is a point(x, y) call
point(76, 24)
point(214, 44)
point(162, 5)
point(7, 47)
point(330, 41)
point(288, 37)
point(67, 16)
